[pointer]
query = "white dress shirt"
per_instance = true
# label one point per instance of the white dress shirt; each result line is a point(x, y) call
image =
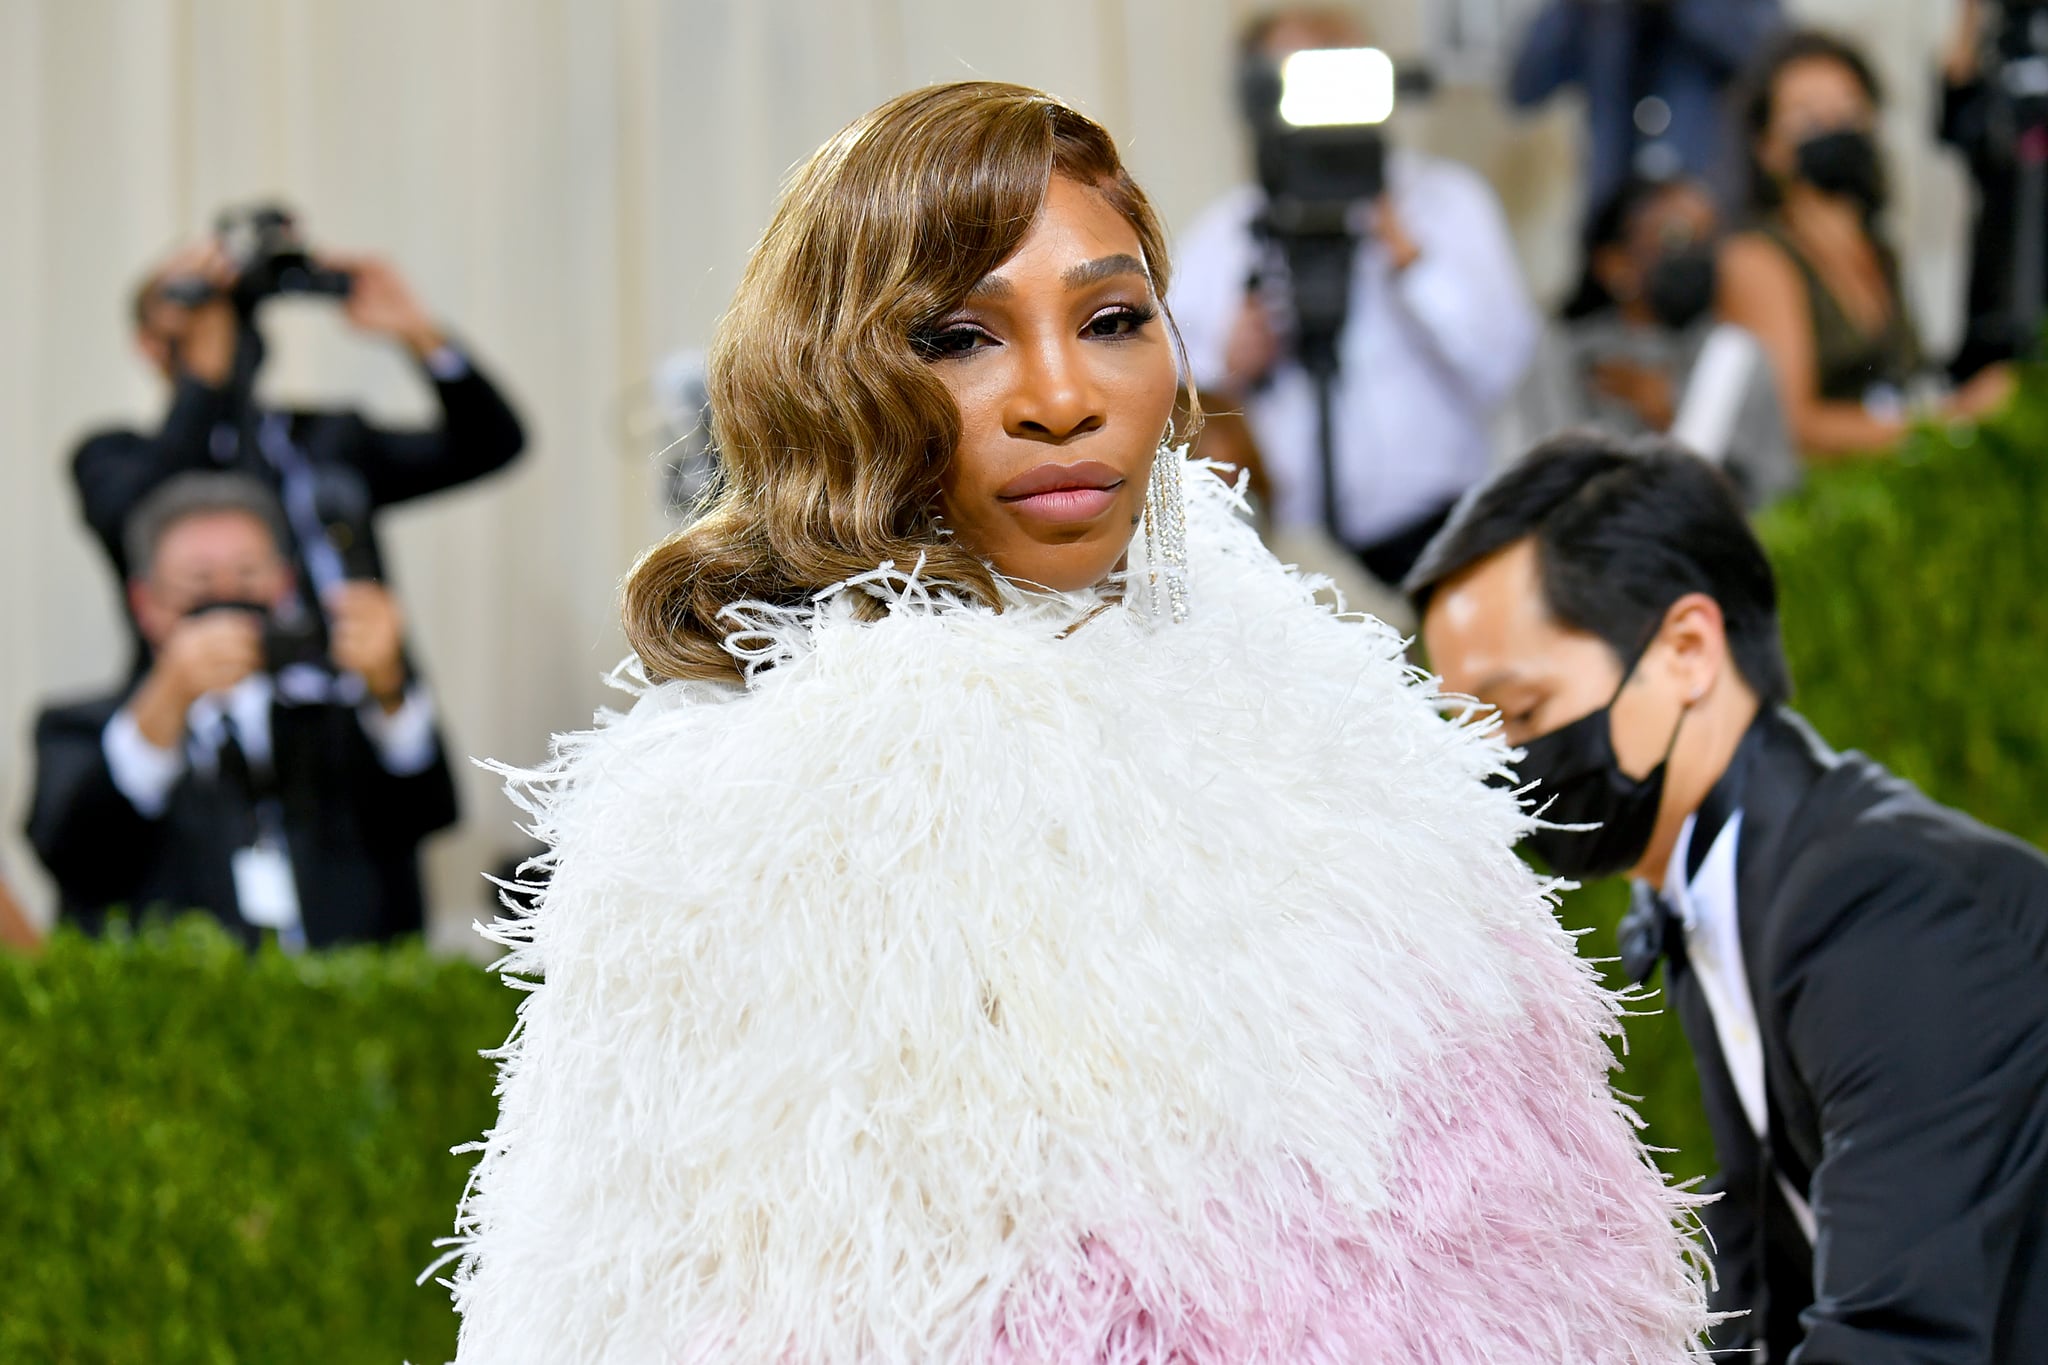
point(266, 890)
point(146, 773)
point(1713, 952)
point(1427, 356)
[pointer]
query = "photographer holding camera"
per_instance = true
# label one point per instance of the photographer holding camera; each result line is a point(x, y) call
point(1654, 75)
point(237, 774)
point(1362, 304)
point(195, 320)
point(1994, 111)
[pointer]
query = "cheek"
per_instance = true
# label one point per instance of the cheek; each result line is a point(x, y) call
point(1644, 724)
point(975, 463)
point(1151, 384)
point(154, 615)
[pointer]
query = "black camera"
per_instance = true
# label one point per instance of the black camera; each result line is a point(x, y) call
point(1315, 119)
point(269, 257)
point(286, 644)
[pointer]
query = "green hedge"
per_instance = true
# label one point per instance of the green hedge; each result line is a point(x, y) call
point(208, 1158)
point(1914, 597)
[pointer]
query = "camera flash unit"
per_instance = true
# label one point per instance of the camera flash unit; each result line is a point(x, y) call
point(1328, 87)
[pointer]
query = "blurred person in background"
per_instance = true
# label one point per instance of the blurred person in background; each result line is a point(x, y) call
point(194, 323)
point(1858, 970)
point(1438, 335)
point(1814, 278)
point(240, 774)
point(1640, 351)
point(2002, 134)
point(1653, 73)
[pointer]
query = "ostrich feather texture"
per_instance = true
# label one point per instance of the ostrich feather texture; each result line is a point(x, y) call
point(1063, 985)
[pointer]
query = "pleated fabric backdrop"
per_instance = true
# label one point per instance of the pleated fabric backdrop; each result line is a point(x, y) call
point(573, 186)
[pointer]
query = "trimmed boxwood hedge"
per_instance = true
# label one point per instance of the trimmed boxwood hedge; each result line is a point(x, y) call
point(206, 1157)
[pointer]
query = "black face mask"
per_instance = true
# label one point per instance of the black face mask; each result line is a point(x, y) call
point(1844, 162)
point(1580, 783)
point(1679, 288)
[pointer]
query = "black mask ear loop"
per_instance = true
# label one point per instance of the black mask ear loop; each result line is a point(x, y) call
point(1670, 745)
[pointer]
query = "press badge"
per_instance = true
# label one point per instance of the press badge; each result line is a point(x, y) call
point(264, 890)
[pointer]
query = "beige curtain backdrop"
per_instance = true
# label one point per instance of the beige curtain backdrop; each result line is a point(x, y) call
point(573, 186)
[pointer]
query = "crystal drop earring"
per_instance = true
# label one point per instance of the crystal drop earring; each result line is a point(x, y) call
point(1166, 531)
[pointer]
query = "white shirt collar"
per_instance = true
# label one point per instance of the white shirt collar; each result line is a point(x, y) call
point(247, 704)
point(1713, 948)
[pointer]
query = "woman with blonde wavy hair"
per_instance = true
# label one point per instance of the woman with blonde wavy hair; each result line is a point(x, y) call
point(1016, 920)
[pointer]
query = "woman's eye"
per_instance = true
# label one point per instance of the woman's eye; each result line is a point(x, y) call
point(950, 341)
point(1118, 322)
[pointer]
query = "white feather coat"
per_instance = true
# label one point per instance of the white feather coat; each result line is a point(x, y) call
point(978, 986)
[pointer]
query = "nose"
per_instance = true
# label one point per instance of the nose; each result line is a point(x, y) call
point(1055, 398)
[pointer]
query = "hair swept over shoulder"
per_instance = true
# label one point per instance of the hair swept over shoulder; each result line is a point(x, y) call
point(832, 432)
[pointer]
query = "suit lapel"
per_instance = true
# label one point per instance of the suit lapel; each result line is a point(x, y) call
point(1789, 764)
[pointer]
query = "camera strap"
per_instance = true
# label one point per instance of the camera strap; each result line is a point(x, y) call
point(298, 490)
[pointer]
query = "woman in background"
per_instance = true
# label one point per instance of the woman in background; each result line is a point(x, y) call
point(1814, 278)
point(1016, 922)
point(1642, 351)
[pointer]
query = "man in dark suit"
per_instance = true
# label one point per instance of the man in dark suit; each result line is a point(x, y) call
point(281, 794)
point(1863, 974)
point(331, 471)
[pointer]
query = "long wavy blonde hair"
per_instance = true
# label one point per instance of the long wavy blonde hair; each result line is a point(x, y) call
point(832, 431)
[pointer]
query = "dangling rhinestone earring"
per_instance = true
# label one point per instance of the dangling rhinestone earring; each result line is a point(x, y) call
point(1166, 532)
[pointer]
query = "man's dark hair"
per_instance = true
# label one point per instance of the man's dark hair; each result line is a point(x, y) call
point(1623, 529)
point(1758, 94)
point(197, 493)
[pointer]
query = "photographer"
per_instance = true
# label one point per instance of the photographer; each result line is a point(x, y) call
point(1437, 330)
point(2003, 139)
point(1654, 74)
point(194, 321)
point(236, 774)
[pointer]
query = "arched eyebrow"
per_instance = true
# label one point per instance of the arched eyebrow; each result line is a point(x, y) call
point(1106, 267)
point(1074, 277)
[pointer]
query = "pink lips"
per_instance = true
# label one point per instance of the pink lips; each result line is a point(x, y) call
point(1064, 493)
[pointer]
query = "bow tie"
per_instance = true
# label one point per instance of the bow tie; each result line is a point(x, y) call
point(1649, 932)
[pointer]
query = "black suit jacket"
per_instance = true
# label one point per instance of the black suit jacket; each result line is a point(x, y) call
point(1897, 955)
point(363, 466)
point(352, 828)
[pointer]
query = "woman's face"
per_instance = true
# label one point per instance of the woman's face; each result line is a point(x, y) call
point(1060, 364)
point(1812, 96)
point(1679, 218)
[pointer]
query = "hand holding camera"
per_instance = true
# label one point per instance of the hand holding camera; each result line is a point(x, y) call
point(191, 314)
point(211, 289)
point(380, 301)
point(206, 652)
point(366, 636)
